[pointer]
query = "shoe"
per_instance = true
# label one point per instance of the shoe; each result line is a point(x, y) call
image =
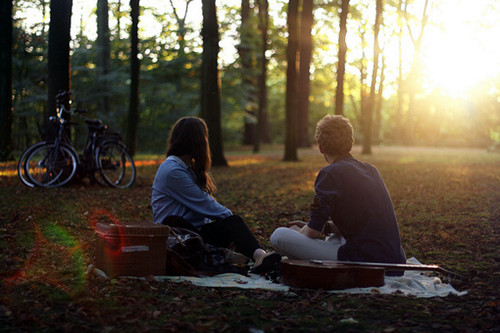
point(266, 263)
point(235, 258)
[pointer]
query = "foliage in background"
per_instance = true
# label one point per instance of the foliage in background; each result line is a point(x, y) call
point(169, 86)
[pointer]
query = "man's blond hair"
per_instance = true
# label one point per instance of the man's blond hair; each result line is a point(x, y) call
point(334, 134)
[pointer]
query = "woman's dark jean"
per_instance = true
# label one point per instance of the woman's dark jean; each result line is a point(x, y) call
point(222, 233)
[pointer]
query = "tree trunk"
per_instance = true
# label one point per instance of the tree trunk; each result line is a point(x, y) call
point(304, 86)
point(292, 82)
point(118, 16)
point(210, 82)
point(339, 95)
point(363, 74)
point(379, 99)
point(133, 114)
point(246, 55)
point(415, 76)
point(103, 54)
point(59, 65)
point(262, 111)
point(181, 38)
point(181, 26)
point(399, 102)
point(6, 112)
point(367, 135)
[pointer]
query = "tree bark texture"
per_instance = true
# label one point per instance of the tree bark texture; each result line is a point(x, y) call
point(103, 54)
point(59, 65)
point(304, 86)
point(210, 82)
point(133, 114)
point(6, 112)
point(368, 121)
point(262, 130)
point(292, 82)
point(246, 54)
point(339, 95)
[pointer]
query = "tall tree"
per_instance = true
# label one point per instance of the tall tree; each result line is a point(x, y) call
point(133, 114)
point(119, 15)
point(292, 82)
point(399, 102)
point(59, 66)
point(181, 38)
point(368, 116)
point(210, 82)
point(103, 54)
point(262, 130)
point(363, 95)
point(339, 95)
point(246, 52)
point(181, 25)
point(304, 86)
point(414, 75)
point(379, 99)
point(6, 113)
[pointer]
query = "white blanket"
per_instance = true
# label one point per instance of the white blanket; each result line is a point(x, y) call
point(411, 283)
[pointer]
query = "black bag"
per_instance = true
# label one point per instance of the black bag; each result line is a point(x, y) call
point(189, 255)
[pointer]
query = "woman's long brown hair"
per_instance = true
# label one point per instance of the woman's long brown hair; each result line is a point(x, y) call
point(189, 136)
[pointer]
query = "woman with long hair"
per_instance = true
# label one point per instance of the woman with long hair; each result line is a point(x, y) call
point(183, 189)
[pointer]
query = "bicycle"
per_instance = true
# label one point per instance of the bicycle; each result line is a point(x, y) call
point(54, 162)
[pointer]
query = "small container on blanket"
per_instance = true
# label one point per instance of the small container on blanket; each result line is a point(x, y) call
point(131, 249)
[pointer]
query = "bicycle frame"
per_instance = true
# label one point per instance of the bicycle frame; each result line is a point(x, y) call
point(53, 162)
point(95, 128)
point(53, 157)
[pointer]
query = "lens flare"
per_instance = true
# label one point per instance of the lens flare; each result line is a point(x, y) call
point(50, 245)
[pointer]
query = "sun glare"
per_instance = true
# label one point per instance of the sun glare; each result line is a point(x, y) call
point(461, 49)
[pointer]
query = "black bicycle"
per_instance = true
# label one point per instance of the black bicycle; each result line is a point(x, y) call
point(54, 162)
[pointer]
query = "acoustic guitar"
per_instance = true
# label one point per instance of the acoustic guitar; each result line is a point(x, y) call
point(336, 275)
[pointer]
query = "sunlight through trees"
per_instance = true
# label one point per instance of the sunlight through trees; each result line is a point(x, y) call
point(435, 80)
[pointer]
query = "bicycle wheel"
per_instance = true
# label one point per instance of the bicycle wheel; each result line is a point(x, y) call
point(21, 165)
point(115, 164)
point(47, 166)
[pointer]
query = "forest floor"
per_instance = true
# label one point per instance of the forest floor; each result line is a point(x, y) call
point(447, 202)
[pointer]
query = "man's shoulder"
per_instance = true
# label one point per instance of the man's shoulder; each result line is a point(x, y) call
point(348, 166)
point(341, 164)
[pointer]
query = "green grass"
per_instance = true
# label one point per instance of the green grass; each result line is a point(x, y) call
point(447, 202)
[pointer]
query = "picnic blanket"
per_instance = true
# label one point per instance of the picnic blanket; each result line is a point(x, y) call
point(412, 283)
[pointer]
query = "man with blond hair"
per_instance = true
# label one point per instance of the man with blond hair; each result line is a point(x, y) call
point(351, 205)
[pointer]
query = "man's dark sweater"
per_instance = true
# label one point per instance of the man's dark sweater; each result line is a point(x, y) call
point(354, 196)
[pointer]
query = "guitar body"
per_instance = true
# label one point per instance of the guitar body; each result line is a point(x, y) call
point(329, 275)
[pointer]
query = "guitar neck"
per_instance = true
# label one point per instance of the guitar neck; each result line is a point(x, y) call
point(395, 267)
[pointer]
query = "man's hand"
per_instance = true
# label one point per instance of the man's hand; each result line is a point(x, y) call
point(330, 228)
point(296, 225)
point(309, 232)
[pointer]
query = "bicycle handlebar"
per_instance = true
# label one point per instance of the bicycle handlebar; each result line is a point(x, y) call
point(62, 94)
point(62, 108)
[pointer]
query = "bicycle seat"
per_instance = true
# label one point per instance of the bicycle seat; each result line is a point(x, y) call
point(95, 124)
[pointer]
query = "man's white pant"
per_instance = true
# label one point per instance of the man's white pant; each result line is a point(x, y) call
point(295, 245)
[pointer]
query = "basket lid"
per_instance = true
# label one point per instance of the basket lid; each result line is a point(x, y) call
point(132, 229)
